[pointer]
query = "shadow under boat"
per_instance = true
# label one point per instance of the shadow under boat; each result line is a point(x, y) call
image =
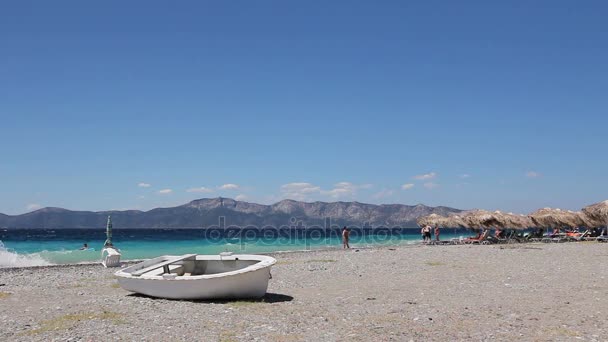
point(268, 298)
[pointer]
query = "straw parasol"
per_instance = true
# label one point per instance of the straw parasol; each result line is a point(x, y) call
point(431, 220)
point(512, 221)
point(455, 221)
point(480, 219)
point(558, 218)
point(597, 214)
point(545, 217)
point(451, 221)
point(580, 219)
point(526, 221)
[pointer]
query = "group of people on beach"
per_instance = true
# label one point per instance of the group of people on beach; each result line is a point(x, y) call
point(427, 232)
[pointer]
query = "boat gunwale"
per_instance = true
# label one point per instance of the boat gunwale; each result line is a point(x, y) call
point(263, 262)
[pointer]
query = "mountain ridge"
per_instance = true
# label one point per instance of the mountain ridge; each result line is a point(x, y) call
point(205, 212)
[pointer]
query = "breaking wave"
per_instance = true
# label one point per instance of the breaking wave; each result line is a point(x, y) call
point(10, 258)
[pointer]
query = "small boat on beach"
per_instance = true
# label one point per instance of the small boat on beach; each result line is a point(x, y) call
point(192, 276)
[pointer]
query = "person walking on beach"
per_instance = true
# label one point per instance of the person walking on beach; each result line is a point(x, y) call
point(345, 237)
point(423, 233)
point(436, 232)
point(426, 233)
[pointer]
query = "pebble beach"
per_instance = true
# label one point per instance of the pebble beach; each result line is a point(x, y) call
point(519, 292)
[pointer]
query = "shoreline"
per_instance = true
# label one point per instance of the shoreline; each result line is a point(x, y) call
point(132, 261)
point(405, 243)
point(275, 253)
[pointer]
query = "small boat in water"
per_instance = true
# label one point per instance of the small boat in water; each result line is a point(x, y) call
point(193, 276)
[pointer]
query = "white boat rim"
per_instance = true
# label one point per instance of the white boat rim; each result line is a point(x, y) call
point(263, 261)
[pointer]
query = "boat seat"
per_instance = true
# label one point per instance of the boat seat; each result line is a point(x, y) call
point(163, 264)
point(175, 269)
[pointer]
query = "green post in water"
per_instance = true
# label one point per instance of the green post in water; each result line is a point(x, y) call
point(108, 232)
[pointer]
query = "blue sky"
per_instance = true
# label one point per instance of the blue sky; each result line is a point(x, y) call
point(139, 104)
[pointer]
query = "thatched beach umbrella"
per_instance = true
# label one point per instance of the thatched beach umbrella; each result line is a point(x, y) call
point(480, 219)
point(579, 219)
point(452, 221)
point(526, 222)
point(428, 220)
point(597, 214)
point(432, 220)
point(512, 221)
point(558, 218)
point(456, 221)
point(545, 218)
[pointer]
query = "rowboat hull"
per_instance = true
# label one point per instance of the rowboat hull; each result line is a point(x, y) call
point(202, 277)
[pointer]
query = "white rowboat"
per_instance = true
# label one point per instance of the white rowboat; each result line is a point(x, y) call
point(193, 276)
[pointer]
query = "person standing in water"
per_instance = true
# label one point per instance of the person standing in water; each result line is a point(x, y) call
point(345, 237)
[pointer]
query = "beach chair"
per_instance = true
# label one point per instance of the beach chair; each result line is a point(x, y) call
point(585, 236)
point(456, 241)
point(483, 239)
point(440, 242)
point(110, 257)
point(535, 236)
point(502, 239)
point(494, 239)
point(513, 237)
point(555, 238)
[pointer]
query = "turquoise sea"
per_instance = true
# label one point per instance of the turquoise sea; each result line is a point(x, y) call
point(37, 247)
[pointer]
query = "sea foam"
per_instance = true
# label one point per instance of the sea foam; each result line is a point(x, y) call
point(10, 258)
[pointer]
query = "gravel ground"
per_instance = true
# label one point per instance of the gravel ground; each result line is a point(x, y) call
point(531, 292)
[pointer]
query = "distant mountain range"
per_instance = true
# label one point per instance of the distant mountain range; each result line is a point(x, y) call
point(204, 213)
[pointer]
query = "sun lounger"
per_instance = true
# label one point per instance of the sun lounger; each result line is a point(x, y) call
point(456, 241)
point(515, 237)
point(483, 239)
point(440, 242)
